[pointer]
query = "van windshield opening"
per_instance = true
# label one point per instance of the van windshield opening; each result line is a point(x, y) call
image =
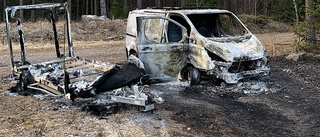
point(217, 25)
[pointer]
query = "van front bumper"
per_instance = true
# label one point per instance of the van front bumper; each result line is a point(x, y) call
point(233, 78)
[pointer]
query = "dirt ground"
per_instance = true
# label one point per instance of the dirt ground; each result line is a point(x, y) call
point(283, 104)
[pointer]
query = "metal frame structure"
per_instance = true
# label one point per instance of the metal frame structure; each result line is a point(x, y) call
point(49, 6)
point(91, 69)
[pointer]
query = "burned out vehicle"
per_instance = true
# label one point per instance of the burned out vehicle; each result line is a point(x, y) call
point(194, 44)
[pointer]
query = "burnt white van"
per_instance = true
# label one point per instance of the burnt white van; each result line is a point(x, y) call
point(194, 44)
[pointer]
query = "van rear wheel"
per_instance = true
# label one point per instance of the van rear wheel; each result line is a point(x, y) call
point(193, 76)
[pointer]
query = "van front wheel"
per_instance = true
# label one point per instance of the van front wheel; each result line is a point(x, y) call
point(193, 76)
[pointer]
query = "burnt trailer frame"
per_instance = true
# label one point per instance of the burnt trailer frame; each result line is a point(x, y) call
point(68, 64)
point(48, 6)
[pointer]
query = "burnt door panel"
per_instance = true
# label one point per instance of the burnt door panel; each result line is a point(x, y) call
point(161, 47)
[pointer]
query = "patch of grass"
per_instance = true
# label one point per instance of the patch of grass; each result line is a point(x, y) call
point(41, 31)
point(118, 118)
point(262, 24)
point(277, 44)
point(100, 132)
point(40, 129)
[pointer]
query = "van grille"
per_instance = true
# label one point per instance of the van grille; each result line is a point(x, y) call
point(237, 67)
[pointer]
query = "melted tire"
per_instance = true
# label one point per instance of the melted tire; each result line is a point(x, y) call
point(193, 76)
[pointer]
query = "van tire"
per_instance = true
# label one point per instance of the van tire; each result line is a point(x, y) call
point(193, 76)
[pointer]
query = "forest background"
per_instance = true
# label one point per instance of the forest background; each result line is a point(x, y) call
point(303, 15)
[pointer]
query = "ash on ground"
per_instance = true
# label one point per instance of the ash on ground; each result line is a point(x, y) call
point(242, 88)
point(93, 106)
point(104, 108)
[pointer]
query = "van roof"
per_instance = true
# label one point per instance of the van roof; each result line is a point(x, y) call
point(181, 10)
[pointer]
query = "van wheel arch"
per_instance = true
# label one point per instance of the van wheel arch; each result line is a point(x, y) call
point(191, 74)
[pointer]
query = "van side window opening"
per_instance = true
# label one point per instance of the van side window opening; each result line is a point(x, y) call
point(231, 26)
point(154, 30)
point(217, 25)
point(182, 21)
point(174, 32)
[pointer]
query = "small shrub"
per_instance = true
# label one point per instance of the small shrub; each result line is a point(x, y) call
point(308, 32)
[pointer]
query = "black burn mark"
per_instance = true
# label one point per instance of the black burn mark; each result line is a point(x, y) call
point(214, 56)
point(242, 58)
point(147, 48)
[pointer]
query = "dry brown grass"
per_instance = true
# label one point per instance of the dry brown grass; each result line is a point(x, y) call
point(99, 37)
point(27, 116)
point(41, 31)
point(260, 24)
point(107, 51)
point(277, 44)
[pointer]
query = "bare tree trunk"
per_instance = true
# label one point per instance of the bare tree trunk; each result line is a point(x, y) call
point(250, 7)
point(87, 7)
point(245, 6)
point(183, 4)
point(103, 8)
point(77, 9)
point(91, 3)
point(158, 3)
point(108, 5)
point(4, 7)
point(225, 4)
point(309, 8)
point(271, 3)
point(255, 7)
point(234, 6)
point(69, 3)
point(139, 4)
point(125, 4)
point(83, 12)
point(265, 7)
point(296, 10)
point(21, 11)
point(297, 21)
point(95, 7)
point(32, 11)
point(310, 19)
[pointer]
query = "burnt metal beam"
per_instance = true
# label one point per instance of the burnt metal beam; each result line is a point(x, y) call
point(70, 44)
point(9, 41)
point(36, 6)
point(56, 42)
point(21, 39)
